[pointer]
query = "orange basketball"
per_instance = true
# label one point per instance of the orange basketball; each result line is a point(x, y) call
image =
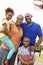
point(27, 58)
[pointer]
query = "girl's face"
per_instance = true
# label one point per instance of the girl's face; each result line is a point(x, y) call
point(9, 16)
point(26, 42)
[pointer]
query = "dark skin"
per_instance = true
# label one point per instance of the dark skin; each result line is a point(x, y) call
point(18, 23)
point(28, 18)
point(26, 42)
point(9, 16)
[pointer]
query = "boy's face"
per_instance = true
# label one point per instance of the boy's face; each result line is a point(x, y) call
point(9, 15)
point(19, 20)
point(26, 42)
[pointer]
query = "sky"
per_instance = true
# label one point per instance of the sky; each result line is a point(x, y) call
point(21, 7)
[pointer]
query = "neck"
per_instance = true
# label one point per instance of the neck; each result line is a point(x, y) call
point(7, 19)
point(26, 46)
point(18, 25)
point(30, 23)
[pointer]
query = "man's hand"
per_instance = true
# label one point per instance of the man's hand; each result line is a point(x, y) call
point(32, 48)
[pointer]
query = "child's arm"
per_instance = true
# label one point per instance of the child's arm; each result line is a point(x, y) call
point(4, 30)
point(32, 62)
point(22, 61)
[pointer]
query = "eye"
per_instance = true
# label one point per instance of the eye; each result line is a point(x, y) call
point(10, 15)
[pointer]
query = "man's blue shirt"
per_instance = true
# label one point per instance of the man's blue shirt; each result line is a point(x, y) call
point(32, 31)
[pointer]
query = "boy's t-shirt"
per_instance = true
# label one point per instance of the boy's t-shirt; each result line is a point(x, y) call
point(24, 51)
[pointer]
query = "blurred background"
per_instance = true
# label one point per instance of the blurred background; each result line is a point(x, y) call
point(21, 7)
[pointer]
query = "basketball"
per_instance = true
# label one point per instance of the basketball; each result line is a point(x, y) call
point(27, 58)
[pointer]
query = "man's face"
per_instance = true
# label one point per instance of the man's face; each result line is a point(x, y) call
point(19, 20)
point(28, 18)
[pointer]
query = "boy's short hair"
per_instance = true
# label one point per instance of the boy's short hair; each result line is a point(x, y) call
point(25, 37)
point(9, 10)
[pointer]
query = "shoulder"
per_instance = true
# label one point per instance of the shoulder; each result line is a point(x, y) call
point(4, 21)
point(36, 24)
point(20, 48)
point(12, 22)
point(24, 23)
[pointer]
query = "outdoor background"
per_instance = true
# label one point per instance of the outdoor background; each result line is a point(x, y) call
point(22, 7)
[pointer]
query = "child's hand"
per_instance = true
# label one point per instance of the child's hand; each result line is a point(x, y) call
point(6, 62)
point(32, 48)
point(25, 63)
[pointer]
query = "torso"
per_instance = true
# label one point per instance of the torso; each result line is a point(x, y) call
point(15, 36)
point(31, 31)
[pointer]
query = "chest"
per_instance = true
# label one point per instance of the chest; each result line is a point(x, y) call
point(31, 30)
point(15, 32)
point(25, 52)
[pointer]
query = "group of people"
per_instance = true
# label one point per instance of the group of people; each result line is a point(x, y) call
point(18, 37)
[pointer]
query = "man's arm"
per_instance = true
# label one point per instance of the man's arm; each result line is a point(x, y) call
point(38, 42)
point(39, 33)
point(32, 48)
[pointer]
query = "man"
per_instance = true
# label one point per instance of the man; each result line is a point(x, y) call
point(31, 30)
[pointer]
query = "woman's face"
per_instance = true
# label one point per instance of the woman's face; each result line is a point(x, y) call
point(19, 20)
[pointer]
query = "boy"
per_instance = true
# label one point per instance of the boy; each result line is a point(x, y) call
point(5, 54)
point(25, 56)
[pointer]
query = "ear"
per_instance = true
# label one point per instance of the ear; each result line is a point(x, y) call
point(31, 16)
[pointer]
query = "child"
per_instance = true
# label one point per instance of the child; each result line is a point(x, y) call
point(5, 54)
point(25, 56)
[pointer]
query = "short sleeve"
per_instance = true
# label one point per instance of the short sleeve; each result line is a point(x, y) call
point(19, 51)
point(39, 31)
point(32, 53)
point(3, 21)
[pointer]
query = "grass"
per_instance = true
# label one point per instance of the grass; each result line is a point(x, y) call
point(39, 58)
